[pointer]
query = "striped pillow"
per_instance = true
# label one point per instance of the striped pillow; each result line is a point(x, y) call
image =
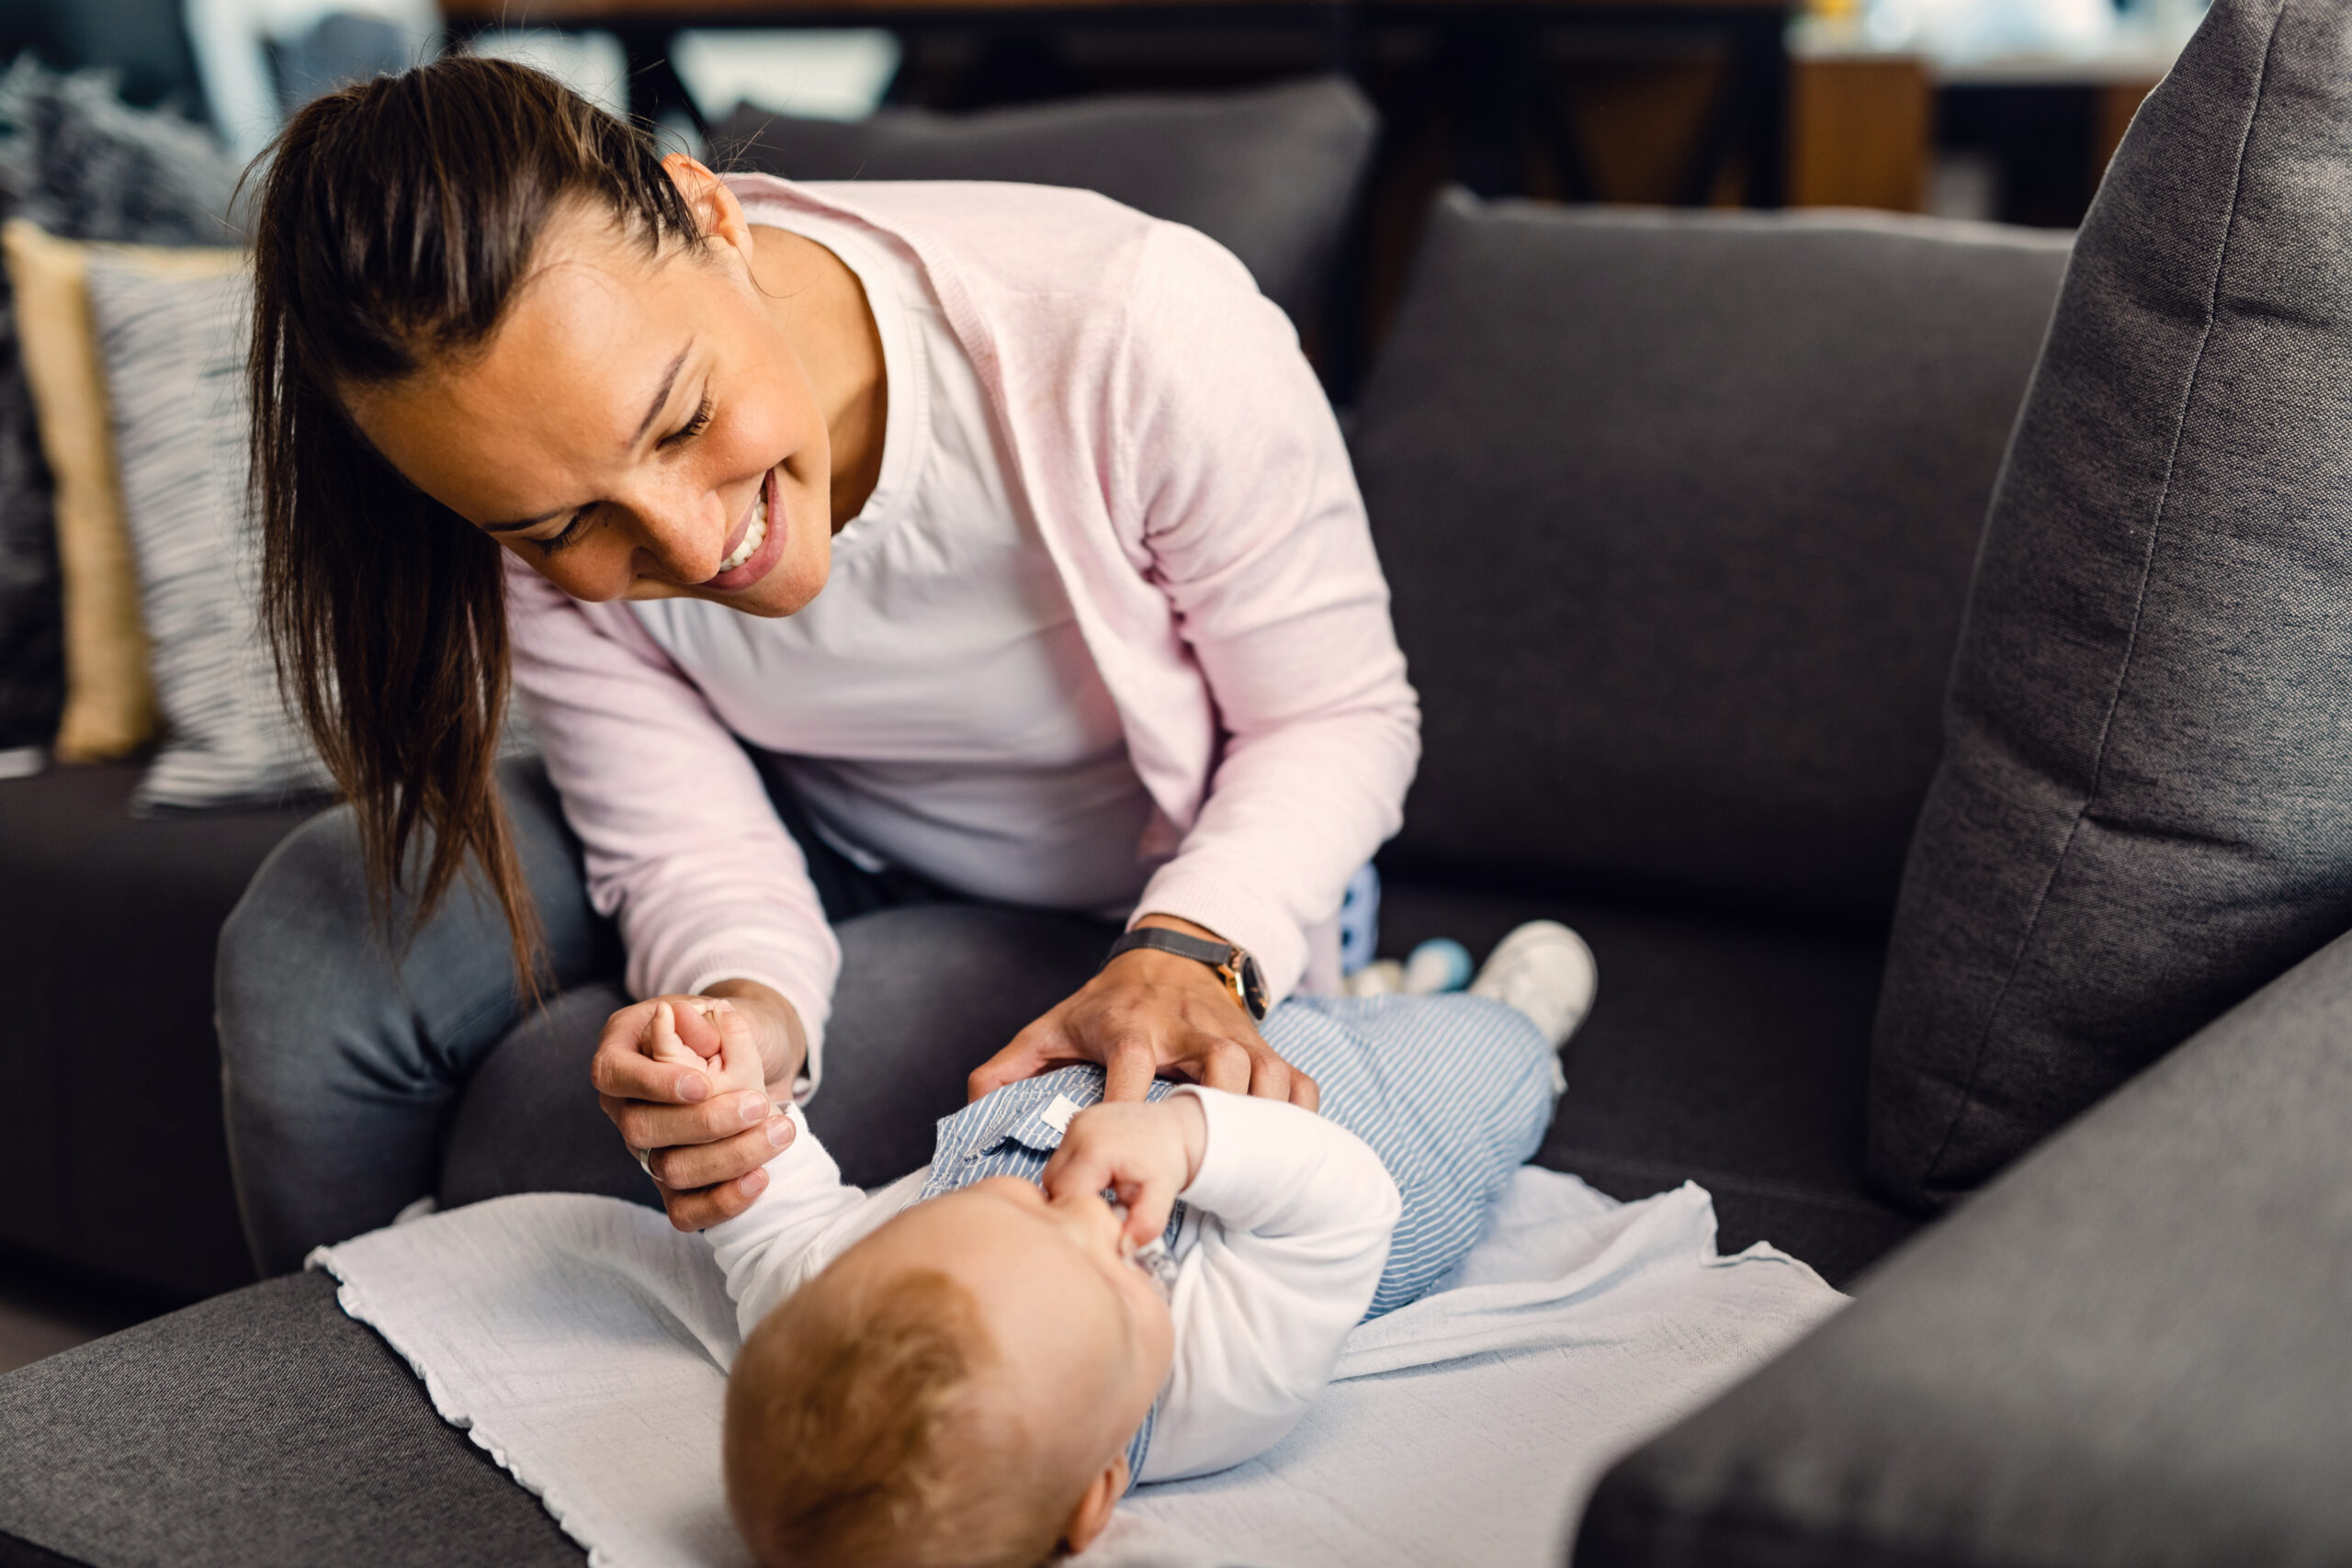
point(175, 355)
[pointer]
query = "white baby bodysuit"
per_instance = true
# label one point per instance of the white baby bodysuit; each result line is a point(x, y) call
point(1287, 1232)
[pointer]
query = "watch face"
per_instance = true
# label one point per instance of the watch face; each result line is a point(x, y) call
point(1253, 986)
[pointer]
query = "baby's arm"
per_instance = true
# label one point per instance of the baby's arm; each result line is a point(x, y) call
point(1297, 1217)
point(767, 1250)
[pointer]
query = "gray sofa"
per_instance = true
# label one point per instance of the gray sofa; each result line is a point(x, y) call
point(1679, 514)
point(1685, 521)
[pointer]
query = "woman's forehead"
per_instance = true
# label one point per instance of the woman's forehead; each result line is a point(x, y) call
point(589, 339)
point(594, 298)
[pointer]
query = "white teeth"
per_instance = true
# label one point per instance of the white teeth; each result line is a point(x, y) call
point(752, 536)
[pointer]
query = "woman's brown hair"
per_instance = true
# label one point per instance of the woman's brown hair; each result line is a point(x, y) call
point(397, 218)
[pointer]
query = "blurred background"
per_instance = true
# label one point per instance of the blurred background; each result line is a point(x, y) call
point(2000, 110)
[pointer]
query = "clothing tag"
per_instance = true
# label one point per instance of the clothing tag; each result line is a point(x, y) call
point(1058, 1113)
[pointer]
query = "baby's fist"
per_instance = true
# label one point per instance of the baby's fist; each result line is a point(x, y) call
point(710, 1035)
point(1143, 1152)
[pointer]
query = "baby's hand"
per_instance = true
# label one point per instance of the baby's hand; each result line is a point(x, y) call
point(734, 1063)
point(1146, 1152)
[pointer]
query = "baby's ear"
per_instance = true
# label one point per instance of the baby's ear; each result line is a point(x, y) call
point(1095, 1508)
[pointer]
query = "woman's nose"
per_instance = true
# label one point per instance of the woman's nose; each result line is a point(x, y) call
point(678, 542)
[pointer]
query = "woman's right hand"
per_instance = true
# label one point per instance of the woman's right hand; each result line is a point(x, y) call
point(707, 1149)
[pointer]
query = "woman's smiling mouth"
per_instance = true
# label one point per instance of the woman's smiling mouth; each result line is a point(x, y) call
point(755, 531)
point(757, 544)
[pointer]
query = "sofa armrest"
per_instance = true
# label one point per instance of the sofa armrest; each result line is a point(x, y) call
point(2129, 1349)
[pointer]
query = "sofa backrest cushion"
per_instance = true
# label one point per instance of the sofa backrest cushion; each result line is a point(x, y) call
point(1678, 512)
point(2144, 810)
point(1271, 173)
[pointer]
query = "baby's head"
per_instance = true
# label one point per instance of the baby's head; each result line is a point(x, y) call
point(958, 1388)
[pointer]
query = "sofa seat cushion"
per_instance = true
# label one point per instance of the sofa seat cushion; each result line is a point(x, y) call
point(1726, 1053)
point(106, 936)
point(259, 1429)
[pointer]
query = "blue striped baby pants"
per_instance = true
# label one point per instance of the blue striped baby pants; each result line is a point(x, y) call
point(1454, 1093)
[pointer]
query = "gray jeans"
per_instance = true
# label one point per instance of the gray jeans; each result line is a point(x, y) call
point(364, 1068)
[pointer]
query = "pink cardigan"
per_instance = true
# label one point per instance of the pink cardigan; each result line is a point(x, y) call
point(1191, 484)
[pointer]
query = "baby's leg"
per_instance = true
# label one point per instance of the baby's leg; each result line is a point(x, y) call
point(1454, 1093)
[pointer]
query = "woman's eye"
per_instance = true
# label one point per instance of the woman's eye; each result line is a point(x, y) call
point(693, 427)
point(571, 535)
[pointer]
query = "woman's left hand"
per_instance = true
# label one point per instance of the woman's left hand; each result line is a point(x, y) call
point(1150, 1014)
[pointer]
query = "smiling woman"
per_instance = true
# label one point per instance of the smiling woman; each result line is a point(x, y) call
point(985, 548)
point(672, 470)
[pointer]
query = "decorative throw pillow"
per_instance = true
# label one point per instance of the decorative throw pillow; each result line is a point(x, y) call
point(2143, 812)
point(174, 353)
point(109, 699)
point(1269, 173)
point(77, 161)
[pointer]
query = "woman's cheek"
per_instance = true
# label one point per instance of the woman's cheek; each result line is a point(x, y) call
point(582, 571)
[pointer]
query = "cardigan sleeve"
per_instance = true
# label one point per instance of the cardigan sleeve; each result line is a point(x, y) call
point(1232, 464)
point(682, 847)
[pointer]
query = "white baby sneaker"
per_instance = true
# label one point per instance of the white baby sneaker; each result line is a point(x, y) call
point(1545, 971)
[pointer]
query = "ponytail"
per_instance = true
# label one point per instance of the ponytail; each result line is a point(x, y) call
point(396, 218)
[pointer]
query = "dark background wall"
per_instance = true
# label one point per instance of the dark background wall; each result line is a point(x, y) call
point(143, 38)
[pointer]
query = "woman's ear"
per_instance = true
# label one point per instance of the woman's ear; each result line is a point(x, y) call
point(717, 215)
point(1094, 1509)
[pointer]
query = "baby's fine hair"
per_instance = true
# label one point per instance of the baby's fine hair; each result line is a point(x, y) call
point(854, 1435)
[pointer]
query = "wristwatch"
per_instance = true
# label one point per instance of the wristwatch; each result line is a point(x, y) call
point(1233, 964)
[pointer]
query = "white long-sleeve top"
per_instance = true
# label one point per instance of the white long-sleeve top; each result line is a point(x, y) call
point(1287, 1230)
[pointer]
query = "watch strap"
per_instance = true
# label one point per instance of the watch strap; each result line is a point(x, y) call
point(1216, 955)
point(1233, 964)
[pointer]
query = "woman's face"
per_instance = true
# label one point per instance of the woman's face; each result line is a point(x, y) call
point(640, 426)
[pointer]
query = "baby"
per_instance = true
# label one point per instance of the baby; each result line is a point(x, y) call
point(972, 1364)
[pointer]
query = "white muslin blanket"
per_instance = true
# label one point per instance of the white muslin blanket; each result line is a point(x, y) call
point(585, 1345)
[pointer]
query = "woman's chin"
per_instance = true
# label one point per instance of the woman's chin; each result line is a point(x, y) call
point(787, 586)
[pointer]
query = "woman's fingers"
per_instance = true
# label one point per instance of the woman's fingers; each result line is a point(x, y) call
point(1270, 1076)
point(1035, 1048)
point(705, 1207)
point(647, 1124)
point(622, 1068)
point(1227, 1065)
point(627, 1072)
point(1140, 1024)
point(1129, 1062)
point(686, 1168)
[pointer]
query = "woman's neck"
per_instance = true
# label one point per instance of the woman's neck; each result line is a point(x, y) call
point(820, 306)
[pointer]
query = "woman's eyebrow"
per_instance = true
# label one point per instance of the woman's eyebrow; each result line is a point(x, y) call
point(660, 401)
point(661, 398)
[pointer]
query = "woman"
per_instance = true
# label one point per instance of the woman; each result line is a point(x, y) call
point(984, 543)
